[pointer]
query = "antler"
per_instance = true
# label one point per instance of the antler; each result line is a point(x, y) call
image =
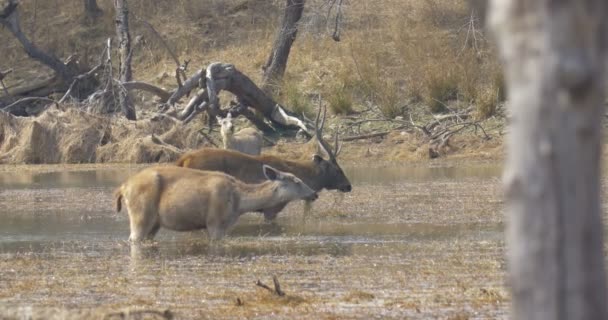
point(319, 133)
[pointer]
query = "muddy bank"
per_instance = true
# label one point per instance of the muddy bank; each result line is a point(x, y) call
point(63, 136)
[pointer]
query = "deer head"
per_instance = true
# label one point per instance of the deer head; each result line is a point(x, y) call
point(336, 179)
point(226, 124)
point(289, 186)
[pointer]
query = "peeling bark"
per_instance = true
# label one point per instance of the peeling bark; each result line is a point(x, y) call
point(124, 56)
point(554, 53)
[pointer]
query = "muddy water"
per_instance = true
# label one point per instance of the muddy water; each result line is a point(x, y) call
point(408, 242)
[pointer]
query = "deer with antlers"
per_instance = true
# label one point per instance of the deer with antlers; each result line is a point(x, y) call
point(318, 173)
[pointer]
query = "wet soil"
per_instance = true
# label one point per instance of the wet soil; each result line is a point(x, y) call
point(408, 242)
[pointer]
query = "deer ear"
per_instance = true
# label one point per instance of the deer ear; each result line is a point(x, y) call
point(271, 173)
point(317, 159)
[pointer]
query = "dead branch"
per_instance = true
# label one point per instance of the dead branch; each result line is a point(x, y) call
point(9, 18)
point(277, 286)
point(196, 101)
point(208, 138)
point(240, 109)
point(366, 136)
point(260, 284)
point(452, 116)
point(12, 108)
point(143, 86)
point(162, 41)
point(180, 70)
point(462, 126)
point(188, 86)
point(422, 128)
point(224, 76)
point(3, 75)
point(78, 79)
point(200, 108)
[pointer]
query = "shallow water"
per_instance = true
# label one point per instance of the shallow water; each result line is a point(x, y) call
point(417, 242)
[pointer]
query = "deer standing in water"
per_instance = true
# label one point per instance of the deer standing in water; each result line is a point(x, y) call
point(183, 199)
point(318, 174)
point(247, 140)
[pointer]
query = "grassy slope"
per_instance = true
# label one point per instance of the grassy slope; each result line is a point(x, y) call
point(396, 58)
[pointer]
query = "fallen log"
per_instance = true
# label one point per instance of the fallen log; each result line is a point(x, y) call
point(366, 136)
point(163, 94)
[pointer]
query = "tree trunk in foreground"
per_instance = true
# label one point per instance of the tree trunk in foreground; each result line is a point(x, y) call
point(277, 61)
point(124, 56)
point(554, 55)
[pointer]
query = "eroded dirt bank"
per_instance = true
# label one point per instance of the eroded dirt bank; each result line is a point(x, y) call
point(62, 136)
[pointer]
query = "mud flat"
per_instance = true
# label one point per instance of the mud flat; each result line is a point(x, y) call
point(406, 243)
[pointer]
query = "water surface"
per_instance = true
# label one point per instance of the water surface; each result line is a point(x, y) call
point(408, 241)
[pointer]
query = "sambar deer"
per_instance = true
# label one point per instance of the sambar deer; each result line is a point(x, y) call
point(247, 140)
point(318, 174)
point(185, 199)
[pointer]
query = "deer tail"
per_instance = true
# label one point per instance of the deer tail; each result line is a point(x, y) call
point(118, 199)
point(183, 162)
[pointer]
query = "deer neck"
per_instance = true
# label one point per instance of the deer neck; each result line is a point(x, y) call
point(226, 139)
point(305, 170)
point(257, 196)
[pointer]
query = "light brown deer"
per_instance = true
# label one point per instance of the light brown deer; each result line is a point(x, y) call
point(185, 199)
point(247, 140)
point(318, 174)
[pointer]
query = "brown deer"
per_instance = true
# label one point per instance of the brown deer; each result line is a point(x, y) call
point(185, 199)
point(247, 140)
point(318, 174)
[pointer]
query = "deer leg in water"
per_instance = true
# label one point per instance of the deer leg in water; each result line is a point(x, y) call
point(217, 218)
point(137, 226)
point(215, 232)
point(153, 231)
point(271, 213)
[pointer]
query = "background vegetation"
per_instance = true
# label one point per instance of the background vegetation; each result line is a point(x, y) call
point(401, 57)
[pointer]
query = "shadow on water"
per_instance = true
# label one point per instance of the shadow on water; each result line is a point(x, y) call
point(250, 237)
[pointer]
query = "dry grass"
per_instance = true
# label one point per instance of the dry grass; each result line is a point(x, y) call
point(393, 54)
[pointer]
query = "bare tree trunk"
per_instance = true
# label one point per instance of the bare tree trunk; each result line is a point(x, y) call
point(124, 56)
point(91, 9)
point(554, 55)
point(9, 17)
point(277, 61)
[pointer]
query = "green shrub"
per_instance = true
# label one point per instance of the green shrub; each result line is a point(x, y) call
point(486, 103)
point(340, 102)
point(295, 100)
point(439, 90)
